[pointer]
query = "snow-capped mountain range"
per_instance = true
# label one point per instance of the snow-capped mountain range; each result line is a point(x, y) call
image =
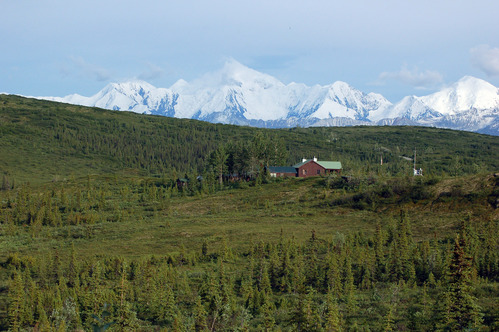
point(239, 95)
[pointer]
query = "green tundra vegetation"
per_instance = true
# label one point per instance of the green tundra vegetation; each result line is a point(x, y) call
point(96, 233)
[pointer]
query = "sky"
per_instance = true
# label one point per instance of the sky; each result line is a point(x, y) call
point(392, 47)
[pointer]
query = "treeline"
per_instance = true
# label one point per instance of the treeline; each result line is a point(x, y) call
point(102, 140)
point(247, 160)
point(383, 281)
point(92, 201)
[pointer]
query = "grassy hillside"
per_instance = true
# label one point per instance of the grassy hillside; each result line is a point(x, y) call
point(44, 141)
point(95, 233)
point(100, 212)
point(185, 242)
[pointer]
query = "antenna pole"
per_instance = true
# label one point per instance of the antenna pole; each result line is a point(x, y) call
point(414, 158)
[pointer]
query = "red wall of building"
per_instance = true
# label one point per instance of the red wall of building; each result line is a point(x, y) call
point(311, 169)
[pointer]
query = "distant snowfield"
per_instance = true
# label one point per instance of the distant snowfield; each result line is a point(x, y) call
point(240, 95)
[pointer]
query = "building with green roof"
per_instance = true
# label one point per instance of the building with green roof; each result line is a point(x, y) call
point(306, 168)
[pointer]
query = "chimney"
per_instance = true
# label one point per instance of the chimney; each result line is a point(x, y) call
point(315, 159)
point(303, 160)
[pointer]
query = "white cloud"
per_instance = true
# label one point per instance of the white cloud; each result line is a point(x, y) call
point(414, 77)
point(90, 70)
point(486, 58)
point(152, 72)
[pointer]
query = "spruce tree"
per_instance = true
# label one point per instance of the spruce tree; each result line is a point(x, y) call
point(200, 316)
point(246, 290)
point(333, 274)
point(204, 250)
point(312, 267)
point(299, 275)
point(5, 183)
point(56, 268)
point(73, 277)
point(268, 310)
point(264, 283)
point(217, 160)
point(459, 309)
point(388, 324)
point(285, 271)
point(348, 284)
point(126, 319)
point(178, 325)
point(17, 303)
point(41, 316)
point(333, 317)
point(401, 264)
point(311, 320)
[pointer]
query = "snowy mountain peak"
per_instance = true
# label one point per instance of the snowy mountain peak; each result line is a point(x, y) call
point(133, 85)
point(468, 104)
point(476, 88)
point(179, 85)
point(236, 74)
point(130, 88)
point(340, 85)
point(233, 68)
point(343, 91)
point(466, 94)
point(470, 82)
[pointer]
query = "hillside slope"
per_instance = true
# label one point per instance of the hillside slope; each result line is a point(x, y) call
point(93, 230)
point(44, 140)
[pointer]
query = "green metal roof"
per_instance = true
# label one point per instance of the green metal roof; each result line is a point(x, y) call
point(330, 164)
point(325, 164)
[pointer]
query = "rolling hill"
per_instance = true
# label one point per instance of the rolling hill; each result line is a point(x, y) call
point(44, 140)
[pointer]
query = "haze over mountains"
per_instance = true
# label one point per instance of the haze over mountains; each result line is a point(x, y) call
point(240, 95)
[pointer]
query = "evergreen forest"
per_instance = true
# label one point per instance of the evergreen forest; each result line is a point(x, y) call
point(116, 221)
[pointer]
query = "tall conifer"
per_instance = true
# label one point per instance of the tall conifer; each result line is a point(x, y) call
point(459, 310)
point(333, 317)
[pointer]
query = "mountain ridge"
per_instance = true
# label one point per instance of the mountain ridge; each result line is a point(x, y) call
point(239, 95)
